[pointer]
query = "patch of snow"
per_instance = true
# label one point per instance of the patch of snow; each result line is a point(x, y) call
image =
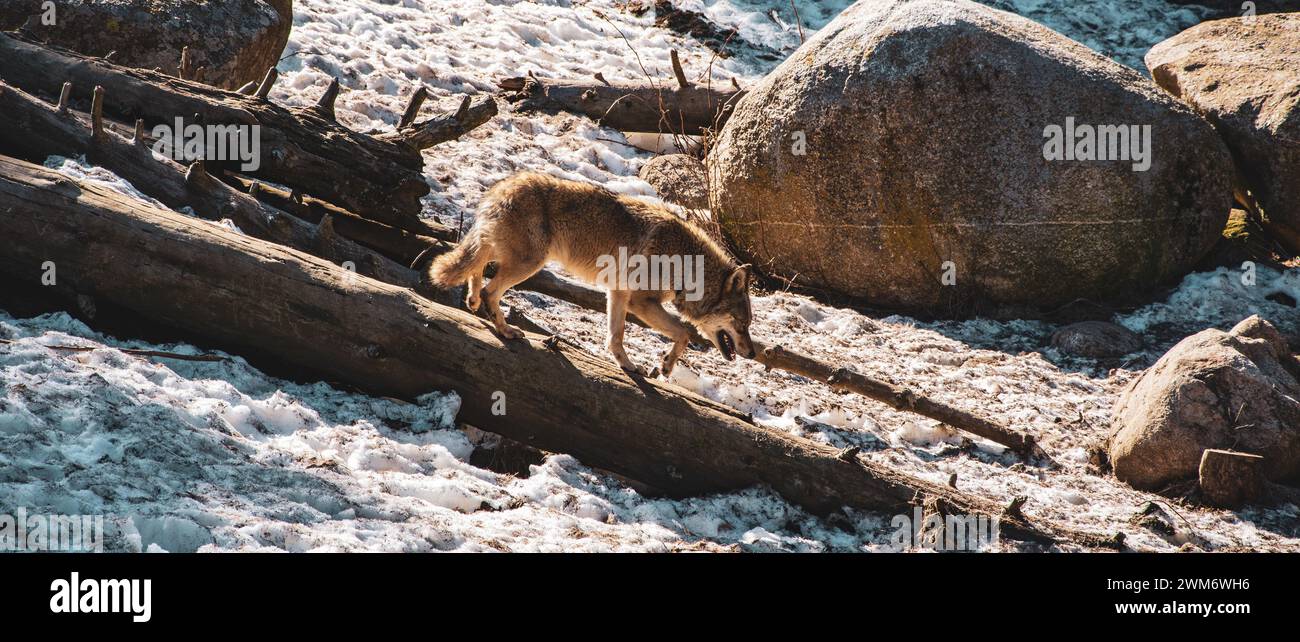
point(1220, 299)
point(184, 456)
point(81, 170)
point(1124, 30)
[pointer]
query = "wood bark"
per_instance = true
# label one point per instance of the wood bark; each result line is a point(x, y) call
point(245, 293)
point(304, 148)
point(401, 245)
point(1230, 479)
point(629, 106)
point(39, 130)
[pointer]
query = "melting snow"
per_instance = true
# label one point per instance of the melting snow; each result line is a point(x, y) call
point(183, 456)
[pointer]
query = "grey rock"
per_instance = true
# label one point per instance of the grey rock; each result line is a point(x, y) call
point(1235, 390)
point(1096, 340)
point(1244, 76)
point(924, 123)
point(236, 40)
point(679, 179)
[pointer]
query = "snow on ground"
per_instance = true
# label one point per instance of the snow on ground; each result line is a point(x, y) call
point(184, 456)
point(1121, 29)
point(219, 456)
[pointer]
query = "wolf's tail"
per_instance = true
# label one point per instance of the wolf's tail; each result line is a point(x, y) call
point(455, 267)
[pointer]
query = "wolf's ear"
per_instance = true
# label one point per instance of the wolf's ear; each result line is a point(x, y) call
point(739, 279)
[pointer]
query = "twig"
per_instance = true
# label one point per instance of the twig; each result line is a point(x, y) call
point(629, 46)
point(413, 107)
point(663, 113)
point(682, 82)
point(899, 398)
point(797, 20)
point(133, 352)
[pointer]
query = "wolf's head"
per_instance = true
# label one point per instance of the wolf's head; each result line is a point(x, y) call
point(726, 321)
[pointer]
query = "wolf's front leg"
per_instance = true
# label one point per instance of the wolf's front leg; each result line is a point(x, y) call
point(616, 307)
point(674, 353)
point(653, 313)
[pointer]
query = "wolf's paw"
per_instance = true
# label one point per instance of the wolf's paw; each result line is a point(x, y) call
point(666, 366)
point(472, 302)
point(511, 332)
point(631, 368)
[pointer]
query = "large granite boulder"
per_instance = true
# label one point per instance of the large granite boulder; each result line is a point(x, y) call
point(1236, 390)
point(1243, 74)
point(236, 40)
point(930, 155)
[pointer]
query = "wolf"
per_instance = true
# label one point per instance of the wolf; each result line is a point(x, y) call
point(531, 219)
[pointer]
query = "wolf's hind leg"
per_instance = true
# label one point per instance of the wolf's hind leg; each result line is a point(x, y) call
point(616, 307)
point(473, 295)
point(663, 321)
point(509, 274)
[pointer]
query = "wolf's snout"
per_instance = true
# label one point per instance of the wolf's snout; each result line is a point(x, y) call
point(746, 346)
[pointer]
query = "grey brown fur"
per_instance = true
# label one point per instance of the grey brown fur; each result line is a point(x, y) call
point(531, 219)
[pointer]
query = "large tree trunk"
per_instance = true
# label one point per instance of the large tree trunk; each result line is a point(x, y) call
point(40, 130)
point(629, 106)
point(245, 293)
point(377, 177)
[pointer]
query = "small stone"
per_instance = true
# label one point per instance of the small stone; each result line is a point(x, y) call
point(1096, 340)
point(679, 179)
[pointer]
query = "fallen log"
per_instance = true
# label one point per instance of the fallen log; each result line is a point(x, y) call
point(400, 245)
point(897, 397)
point(628, 106)
point(244, 293)
point(387, 254)
point(304, 148)
point(440, 129)
point(40, 130)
